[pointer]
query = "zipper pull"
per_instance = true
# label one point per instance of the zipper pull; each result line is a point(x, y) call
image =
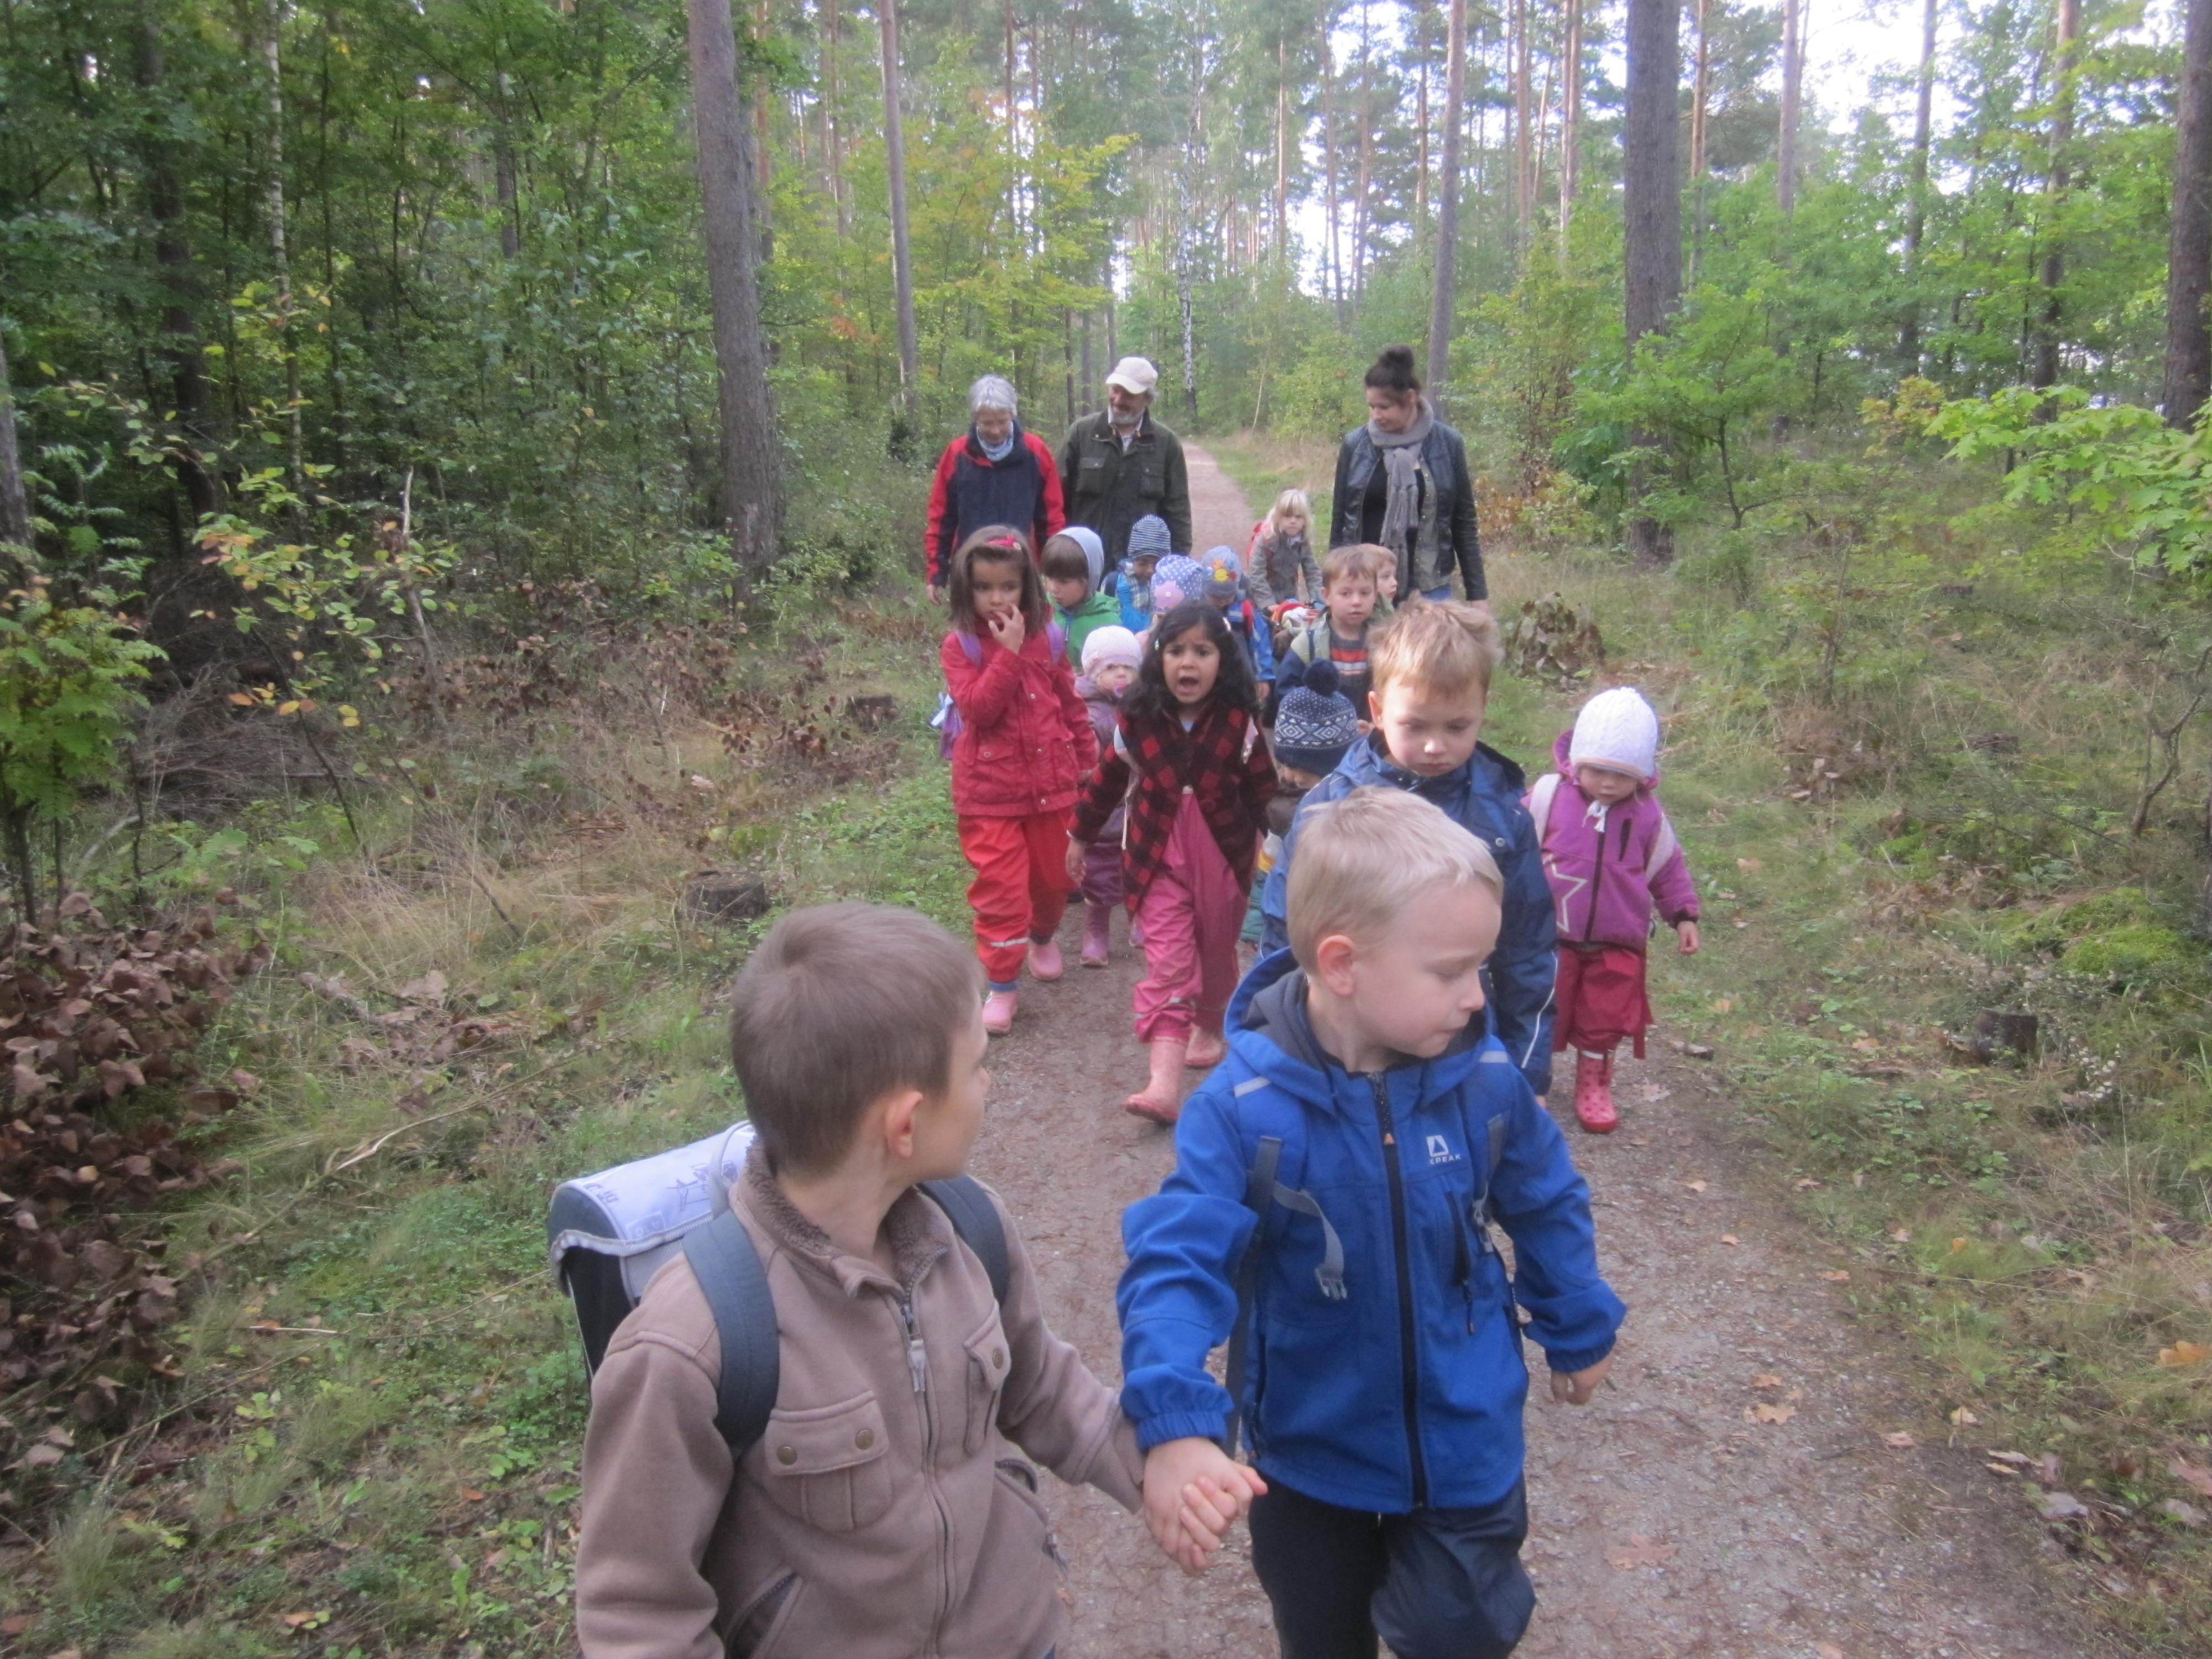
point(917, 1361)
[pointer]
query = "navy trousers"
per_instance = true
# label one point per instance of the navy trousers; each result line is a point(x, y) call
point(1435, 1584)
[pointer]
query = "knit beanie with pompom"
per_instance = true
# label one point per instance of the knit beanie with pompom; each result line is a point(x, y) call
point(1315, 723)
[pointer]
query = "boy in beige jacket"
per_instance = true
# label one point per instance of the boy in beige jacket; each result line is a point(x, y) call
point(883, 1514)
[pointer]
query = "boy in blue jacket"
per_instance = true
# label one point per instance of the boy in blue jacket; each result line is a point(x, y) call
point(1336, 1176)
point(1428, 674)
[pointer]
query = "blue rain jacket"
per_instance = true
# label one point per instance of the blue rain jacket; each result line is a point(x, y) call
point(1407, 1392)
point(1485, 796)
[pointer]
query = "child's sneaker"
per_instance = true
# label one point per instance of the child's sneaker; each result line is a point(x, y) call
point(1097, 936)
point(999, 1012)
point(1045, 960)
point(1594, 1093)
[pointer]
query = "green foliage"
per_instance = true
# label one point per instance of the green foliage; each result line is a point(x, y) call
point(68, 679)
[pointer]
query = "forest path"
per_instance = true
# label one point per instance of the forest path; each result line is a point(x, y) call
point(1666, 1522)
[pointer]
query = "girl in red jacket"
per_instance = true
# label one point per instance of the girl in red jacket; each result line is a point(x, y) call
point(1024, 744)
point(1190, 735)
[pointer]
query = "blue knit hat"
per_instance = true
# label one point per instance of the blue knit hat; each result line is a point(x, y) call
point(1149, 537)
point(1225, 575)
point(1315, 723)
point(1181, 573)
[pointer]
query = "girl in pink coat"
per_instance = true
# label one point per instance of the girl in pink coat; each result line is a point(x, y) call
point(1612, 859)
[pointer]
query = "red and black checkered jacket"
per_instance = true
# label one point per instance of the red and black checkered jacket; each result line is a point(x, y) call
point(1222, 760)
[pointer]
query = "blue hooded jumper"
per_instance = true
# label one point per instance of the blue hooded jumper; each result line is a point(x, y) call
point(1407, 1392)
point(1485, 797)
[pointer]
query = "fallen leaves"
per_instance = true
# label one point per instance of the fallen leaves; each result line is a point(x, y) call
point(2190, 1476)
point(1695, 1186)
point(1730, 1238)
point(1828, 1651)
point(1965, 1419)
point(1900, 1440)
point(2183, 1511)
point(1641, 1551)
point(2058, 1505)
point(2184, 1354)
point(1837, 1276)
point(1772, 1414)
point(1766, 1379)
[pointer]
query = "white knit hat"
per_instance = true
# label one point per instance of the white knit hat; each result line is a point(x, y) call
point(1110, 644)
point(1617, 730)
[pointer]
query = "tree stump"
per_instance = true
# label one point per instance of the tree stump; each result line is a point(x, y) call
point(1997, 1033)
point(725, 897)
point(871, 714)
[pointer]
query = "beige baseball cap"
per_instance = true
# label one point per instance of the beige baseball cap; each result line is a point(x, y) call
point(1135, 374)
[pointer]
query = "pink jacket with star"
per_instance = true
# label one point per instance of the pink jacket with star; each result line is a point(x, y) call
point(1610, 868)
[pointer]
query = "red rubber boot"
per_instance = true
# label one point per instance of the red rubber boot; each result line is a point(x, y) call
point(1594, 1093)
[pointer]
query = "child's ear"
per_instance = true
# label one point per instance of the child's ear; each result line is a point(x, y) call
point(897, 1112)
point(1333, 956)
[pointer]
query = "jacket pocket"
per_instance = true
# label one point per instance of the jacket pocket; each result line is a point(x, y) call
point(988, 1361)
point(827, 1466)
point(765, 1620)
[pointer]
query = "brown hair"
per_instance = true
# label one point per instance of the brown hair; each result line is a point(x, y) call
point(1365, 858)
point(1393, 371)
point(1447, 648)
point(1066, 560)
point(839, 1005)
point(1350, 560)
point(995, 543)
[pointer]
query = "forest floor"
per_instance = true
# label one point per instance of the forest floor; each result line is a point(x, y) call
point(1736, 1490)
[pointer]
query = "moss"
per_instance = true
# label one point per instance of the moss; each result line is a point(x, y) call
point(2058, 928)
point(2137, 955)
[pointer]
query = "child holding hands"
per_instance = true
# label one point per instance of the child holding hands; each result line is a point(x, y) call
point(1190, 736)
point(1025, 744)
point(1612, 859)
point(1336, 1182)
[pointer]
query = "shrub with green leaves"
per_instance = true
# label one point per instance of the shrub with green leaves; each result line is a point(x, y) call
point(68, 679)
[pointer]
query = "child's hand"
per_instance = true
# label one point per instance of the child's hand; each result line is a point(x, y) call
point(1571, 1388)
point(1194, 1492)
point(1076, 851)
point(1687, 933)
point(1010, 630)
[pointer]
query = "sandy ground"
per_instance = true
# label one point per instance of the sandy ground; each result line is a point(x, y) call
point(1666, 1522)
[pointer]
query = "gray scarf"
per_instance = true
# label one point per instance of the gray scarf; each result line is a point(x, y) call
point(1409, 512)
point(996, 453)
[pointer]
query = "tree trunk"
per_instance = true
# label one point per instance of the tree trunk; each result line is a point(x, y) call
point(180, 343)
point(1189, 335)
point(2054, 195)
point(1700, 100)
point(1524, 144)
point(1328, 169)
point(1360, 222)
point(1282, 149)
point(280, 258)
point(841, 191)
point(2189, 268)
point(15, 500)
point(1651, 190)
point(901, 258)
point(1571, 121)
point(750, 500)
point(1421, 116)
point(1793, 94)
point(1916, 218)
point(1442, 307)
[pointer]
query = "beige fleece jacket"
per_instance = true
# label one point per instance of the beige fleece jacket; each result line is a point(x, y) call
point(885, 1514)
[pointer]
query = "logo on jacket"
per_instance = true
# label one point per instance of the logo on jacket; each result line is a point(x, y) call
point(1440, 1151)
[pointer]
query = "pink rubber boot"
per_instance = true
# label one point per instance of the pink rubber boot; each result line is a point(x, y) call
point(1097, 936)
point(1594, 1093)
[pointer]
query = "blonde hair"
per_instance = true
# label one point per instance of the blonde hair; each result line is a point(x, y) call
point(1290, 501)
point(1348, 561)
point(1380, 560)
point(837, 1007)
point(1447, 648)
point(1364, 859)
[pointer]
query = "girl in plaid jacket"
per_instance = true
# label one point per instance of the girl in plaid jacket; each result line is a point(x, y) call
point(1190, 761)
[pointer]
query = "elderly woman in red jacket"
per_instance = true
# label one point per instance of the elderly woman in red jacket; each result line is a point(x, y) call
point(996, 474)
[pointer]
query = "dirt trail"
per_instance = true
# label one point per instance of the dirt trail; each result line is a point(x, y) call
point(1667, 1524)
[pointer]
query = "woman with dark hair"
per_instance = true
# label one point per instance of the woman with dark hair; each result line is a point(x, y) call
point(1402, 483)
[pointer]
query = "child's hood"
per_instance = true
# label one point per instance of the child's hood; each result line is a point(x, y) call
point(1367, 762)
point(1566, 767)
point(1094, 551)
point(1090, 691)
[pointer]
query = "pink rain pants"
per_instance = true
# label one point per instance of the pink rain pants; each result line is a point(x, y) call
point(1190, 916)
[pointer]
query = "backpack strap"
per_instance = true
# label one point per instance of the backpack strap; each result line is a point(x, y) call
point(975, 1219)
point(1664, 846)
point(1540, 803)
point(732, 1279)
point(972, 647)
point(1258, 1188)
